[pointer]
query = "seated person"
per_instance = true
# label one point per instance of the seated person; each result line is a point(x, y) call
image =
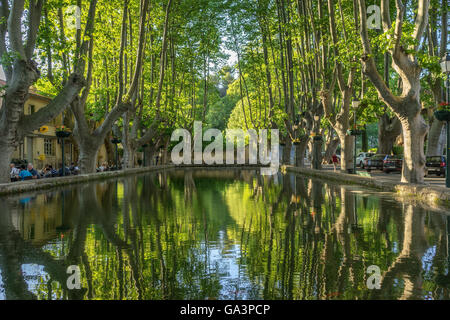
point(53, 171)
point(74, 169)
point(44, 171)
point(25, 174)
point(60, 171)
point(48, 172)
point(103, 167)
point(14, 173)
point(33, 171)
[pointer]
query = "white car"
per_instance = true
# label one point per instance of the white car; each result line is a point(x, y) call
point(361, 157)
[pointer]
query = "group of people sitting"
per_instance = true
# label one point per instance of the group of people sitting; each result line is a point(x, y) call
point(28, 172)
point(106, 167)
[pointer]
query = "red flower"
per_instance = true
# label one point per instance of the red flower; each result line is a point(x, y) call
point(444, 104)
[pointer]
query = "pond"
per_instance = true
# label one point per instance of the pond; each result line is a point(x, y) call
point(220, 234)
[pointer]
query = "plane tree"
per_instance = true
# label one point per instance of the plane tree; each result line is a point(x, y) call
point(19, 62)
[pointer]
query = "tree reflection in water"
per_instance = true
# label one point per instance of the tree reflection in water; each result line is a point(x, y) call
point(220, 234)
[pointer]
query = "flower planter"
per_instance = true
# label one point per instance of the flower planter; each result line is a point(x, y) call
point(63, 134)
point(442, 115)
point(43, 129)
point(116, 141)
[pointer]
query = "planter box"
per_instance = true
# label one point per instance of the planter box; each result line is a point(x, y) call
point(442, 115)
point(63, 134)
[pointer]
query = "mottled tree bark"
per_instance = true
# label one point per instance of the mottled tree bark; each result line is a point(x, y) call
point(414, 131)
point(300, 150)
point(287, 152)
point(388, 131)
point(437, 138)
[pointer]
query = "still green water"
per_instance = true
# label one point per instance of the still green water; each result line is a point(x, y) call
point(220, 234)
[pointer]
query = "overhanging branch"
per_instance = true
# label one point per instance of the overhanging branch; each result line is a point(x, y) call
point(35, 12)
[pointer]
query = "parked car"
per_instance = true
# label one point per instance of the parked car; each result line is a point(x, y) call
point(436, 165)
point(392, 164)
point(360, 158)
point(375, 162)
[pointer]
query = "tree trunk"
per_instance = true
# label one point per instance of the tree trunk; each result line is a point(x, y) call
point(129, 156)
point(436, 139)
point(317, 154)
point(109, 149)
point(385, 144)
point(165, 153)
point(388, 132)
point(88, 154)
point(151, 151)
point(127, 139)
point(287, 152)
point(414, 131)
point(300, 150)
point(6, 153)
point(347, 154)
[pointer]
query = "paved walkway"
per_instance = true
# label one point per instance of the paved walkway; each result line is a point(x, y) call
point(396, 177)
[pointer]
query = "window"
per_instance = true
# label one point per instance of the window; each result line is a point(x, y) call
point(32, 109)
point(49, 147)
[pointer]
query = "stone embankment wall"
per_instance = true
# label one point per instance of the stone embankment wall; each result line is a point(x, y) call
point(40, 184)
